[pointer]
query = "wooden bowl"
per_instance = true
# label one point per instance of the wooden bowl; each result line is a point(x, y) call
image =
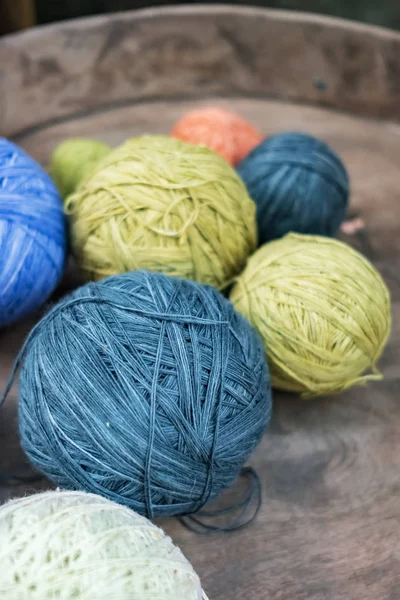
point(330, 468)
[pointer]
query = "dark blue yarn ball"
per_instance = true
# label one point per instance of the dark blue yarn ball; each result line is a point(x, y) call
point(298, 183)
point(32, 234)
point(149, 390)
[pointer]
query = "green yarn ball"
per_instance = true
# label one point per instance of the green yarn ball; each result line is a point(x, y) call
point(159, 204)
point(73, 160)
point(68, 545)
point(322, 310)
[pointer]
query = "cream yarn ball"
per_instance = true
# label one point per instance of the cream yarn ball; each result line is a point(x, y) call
point(65, 545)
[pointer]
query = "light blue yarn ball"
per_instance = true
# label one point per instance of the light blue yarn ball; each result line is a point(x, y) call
point(149, 390)
point(298, 183)
point(32, 234)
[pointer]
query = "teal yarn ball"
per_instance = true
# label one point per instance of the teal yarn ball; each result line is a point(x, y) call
point(32, 234)
point(299, 184)
point(149, 390)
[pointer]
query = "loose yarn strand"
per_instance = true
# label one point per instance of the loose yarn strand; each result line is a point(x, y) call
point(153, 396)
point(25, 347)
point(8, 477)
point(17, 363)
point(253, 493)
point(209, 481)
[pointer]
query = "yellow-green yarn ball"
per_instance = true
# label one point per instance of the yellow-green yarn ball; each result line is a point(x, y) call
point(322, 310)
point(65, 545)
point(160, 204)
point(73, 160)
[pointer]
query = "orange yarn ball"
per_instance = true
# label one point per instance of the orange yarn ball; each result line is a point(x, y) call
point(220, 130)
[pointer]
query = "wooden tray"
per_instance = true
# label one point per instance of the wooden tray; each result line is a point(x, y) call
point(330, 468)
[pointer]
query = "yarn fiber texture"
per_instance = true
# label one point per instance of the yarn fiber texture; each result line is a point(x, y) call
point(159, 204)
point(64, 545)
point(147, 389)
point(73, 160)
point(298, 183)
point(322, 310)
point(219, 129)
point(32, 234)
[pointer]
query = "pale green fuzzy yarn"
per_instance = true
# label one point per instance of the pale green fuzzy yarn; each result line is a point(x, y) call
point(159, 204)
point(73, 160)
point(66, 545)
point(322, 310)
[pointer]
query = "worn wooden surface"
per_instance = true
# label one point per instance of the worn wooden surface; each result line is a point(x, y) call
point(329, 527)
point(88, 65)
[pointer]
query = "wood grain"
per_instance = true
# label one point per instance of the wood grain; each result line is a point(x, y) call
point(93, 64)
point(330, 468)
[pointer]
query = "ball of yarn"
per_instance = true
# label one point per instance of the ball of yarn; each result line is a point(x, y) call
point(73, 160)
point(220, 130)
point(322, 310)
point(147, 389)
point(76, 545)
point(32, 234)
point(159, 204)
point(298, 183)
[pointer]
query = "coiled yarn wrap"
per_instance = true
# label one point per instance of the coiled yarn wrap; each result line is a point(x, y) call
point(298, 183)
point(32, 234)
point(147, 389)
point(64, 545)
point(220, 130)
point(322, 310)
point(160, 204)
point(73, 160)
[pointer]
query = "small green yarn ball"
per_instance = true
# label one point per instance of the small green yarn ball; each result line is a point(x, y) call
point(73, 160)
point(159, 204)
point(322, 310)
point(64, 545)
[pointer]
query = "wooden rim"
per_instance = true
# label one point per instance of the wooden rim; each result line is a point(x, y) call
point(61, 71)
point(207, 9)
